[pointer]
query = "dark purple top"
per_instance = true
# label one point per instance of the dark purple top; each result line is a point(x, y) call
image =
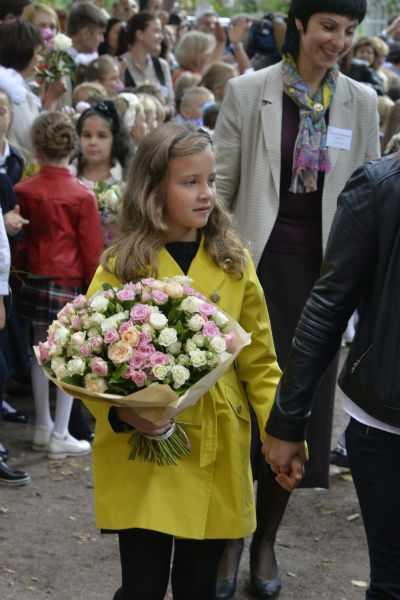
point(298, 226)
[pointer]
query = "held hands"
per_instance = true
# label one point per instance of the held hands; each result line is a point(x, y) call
point(13, 221)
point(128, 415)
point(286, 459)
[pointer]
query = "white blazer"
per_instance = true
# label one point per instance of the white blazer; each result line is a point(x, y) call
point(248, 149)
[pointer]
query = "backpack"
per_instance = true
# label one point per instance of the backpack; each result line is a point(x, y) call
point(262, 35)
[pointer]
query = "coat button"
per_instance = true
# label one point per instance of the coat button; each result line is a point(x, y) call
point(215, 297)
point(239, 408)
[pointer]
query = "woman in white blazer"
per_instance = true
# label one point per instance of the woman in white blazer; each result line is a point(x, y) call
point(287, 139)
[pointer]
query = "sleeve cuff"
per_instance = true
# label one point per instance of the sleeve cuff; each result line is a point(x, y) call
point(117, 425)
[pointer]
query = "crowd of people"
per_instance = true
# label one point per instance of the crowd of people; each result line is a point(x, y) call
point(293, 106)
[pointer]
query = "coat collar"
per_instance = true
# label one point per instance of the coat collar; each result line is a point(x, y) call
point(271, 114)
point(207, 276)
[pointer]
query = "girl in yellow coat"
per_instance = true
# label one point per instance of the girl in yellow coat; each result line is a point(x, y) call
point(172, 224)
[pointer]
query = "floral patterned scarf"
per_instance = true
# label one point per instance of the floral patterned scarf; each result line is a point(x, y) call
point(310, 152)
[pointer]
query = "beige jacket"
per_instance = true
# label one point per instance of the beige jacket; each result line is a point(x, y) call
point(248, 149)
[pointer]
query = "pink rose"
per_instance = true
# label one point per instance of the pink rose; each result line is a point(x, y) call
point(76, 323)
point(82, 106)
point(108, 293)
point(138, 360)
point(211, 330)
point(83, 311)
point(80, 301)
point(95, 342)
point(188, 290)
point(159, 297)
point(206, 310)
point(145, 296)
point(43, 353)
point(49, 45)
point(147, 281)
point(64, 319)
point(158, 358)
point(136, 287)
point(139, 378)
point(51, 338)
point(47, 34)
point(99, 366)
point(111, 336)
point(144, 338)
point(125, 294)
point(147, 349)
point(229, 338)
point(85, 350)
point(140, 313)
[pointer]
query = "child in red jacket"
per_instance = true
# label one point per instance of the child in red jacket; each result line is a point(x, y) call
point(60, 251)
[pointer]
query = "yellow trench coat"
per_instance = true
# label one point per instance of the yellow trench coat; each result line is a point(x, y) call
point(210, 493)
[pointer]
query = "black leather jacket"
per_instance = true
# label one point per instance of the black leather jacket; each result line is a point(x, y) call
point(361, 268)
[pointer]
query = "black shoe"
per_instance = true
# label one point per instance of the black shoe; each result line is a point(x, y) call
point(16, 416)
point(339, 459)
point(4, 455)
point(9, 476)
point(226, 587)
point(265, 589)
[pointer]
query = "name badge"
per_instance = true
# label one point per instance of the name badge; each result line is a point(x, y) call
point(339, 138)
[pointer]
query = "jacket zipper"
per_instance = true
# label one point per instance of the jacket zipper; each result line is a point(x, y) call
point(357, 362)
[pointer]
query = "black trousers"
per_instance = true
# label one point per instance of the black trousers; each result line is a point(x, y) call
point(146, 564)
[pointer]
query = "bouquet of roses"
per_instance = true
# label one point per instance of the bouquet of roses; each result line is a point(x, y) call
point(153, 345)
point(55, 60)
point(109, 200)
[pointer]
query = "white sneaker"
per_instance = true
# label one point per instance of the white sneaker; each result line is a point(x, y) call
point(41, 437)
point(61, 446)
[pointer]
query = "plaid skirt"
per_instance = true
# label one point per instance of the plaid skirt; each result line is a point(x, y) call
point(40, 300)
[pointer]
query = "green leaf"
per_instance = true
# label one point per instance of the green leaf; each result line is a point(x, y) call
point(107, 286)
point(73, 380)
point(119, 372)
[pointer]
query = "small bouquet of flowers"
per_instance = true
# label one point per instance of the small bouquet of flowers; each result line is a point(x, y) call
point(55, 60)
point(109, 199)
point(156, 346)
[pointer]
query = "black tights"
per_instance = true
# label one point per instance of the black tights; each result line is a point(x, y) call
point(146, 560)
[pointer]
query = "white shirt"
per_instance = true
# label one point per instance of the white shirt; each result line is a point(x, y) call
point(4, 258)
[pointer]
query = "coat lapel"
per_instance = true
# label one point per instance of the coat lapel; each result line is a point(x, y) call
point(340, 115)
point(271, 119)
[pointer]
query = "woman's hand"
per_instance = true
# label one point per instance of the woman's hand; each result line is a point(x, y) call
point(2, 313)
point(237, 32)
point(13, 221)
point(286, 459)
point(130, 416)
point(53, 93)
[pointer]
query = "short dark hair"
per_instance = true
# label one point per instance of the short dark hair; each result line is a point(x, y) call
point(85, 14)
point(138, 22)
point(18, 42)
point(304, 9)
point(13, 7)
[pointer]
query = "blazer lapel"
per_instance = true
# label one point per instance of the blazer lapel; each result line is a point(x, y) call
point(271, 119)
point(340, 115)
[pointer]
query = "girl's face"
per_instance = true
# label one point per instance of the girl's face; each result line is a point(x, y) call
point(96, 140)
point(190, 195)
point(112, 37)
point(155, 7)
point(112, 82)
point(365, 53)
point(327, 39)
point(45, 21)
point(151, 37)
point(5, 116)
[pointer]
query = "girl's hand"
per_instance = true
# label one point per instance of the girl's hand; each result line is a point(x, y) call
point(286, 459)
point(128, 415)
point(13, 221)
point(2, 313)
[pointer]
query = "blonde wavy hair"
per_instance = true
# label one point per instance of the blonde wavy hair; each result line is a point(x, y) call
point(142, 228)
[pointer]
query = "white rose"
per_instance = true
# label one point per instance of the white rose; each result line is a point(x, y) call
point(160, 372)
point(196, 322)
point(111, 200)
point(223, 356)
point(99, 304)
point(183, 359)
point(59, 367)
point(61, 42)
point(198, 358)
point(122, 316)
point(212, 359)
point(62, 335)
point(174, 289)
point(174, 348)
point(94, 332)
point(220, 319)
point(158, 321)
point(110, 323)
point(217, 344)
point(198, 339)
point(171, 359)
point(167, 336)
point(96, 319)
point(148, 328)
point(181, 279)
point(55, 350)
point(180, 374)
point(190, 304)
point(78, 338)
point(76, 366)
point(189, 346)
point(85, 321)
